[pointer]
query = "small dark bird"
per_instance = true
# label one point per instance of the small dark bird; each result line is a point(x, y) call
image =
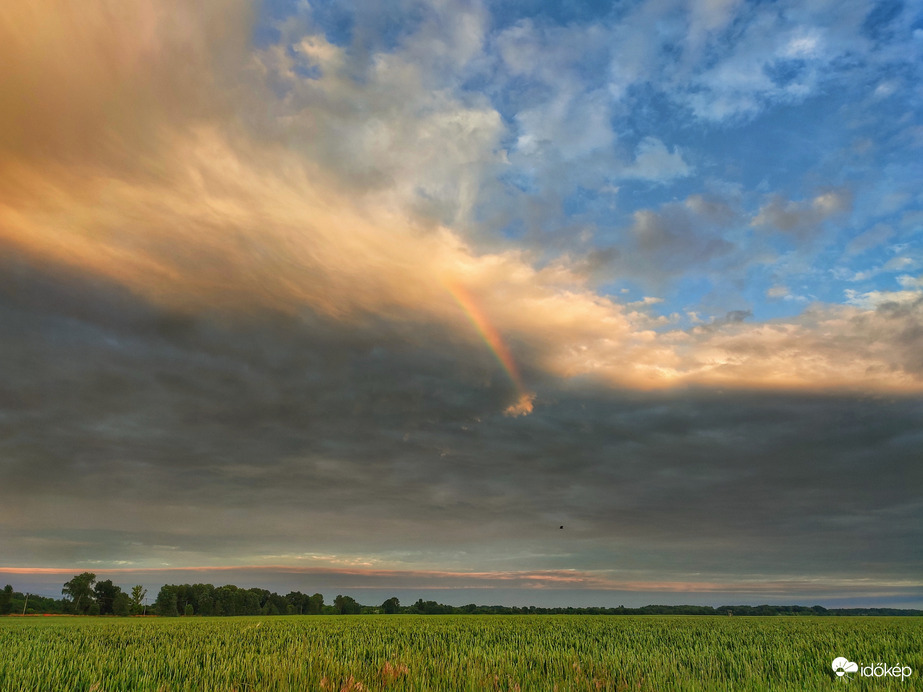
point(560, 527)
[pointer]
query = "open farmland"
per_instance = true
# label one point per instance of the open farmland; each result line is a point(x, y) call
point(452, 653)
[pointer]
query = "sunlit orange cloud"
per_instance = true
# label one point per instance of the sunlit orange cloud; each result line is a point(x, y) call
point(124, 152)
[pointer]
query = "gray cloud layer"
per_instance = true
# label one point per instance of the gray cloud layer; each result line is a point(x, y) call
point(138, 435)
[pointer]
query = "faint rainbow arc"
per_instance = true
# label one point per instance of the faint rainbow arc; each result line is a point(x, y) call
point(487, 332)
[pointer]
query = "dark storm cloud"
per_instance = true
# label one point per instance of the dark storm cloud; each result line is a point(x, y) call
point(151, 437)
point(110, 402)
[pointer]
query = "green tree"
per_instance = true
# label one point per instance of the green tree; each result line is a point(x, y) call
point(166, 601)
point(121, 604)
point(105, 592)
point(315, 604)
point(250, 599)
point(80, 592)
point(203, 598)
point(6, 600)
point(226, 600)
point(188, 611)
point(297, 602)
point(136, 600)
point(346, 605)
point(391, 606)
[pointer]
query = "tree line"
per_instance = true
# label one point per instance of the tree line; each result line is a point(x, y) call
point(84, 595)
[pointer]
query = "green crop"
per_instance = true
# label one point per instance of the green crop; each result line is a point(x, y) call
point(453, 652)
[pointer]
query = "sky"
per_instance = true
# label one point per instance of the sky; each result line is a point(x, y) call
point(569, 303)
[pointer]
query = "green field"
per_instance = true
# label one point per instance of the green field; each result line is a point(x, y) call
point(453, 652)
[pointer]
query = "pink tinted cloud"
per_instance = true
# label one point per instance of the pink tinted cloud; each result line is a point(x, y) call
point(355, 578)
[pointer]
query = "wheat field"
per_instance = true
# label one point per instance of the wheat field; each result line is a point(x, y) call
point(454, 652)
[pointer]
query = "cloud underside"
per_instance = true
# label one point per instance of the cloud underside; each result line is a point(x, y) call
point(286, 440)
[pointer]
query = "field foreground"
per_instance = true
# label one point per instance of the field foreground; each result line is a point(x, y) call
point(454, 652)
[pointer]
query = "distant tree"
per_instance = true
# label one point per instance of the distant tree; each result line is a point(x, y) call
point(277, 605)
point(251, 602)
point(166, 601)
point(121, 604)
point(226, 600)
point(346, 605)
point(297, 602)
point(105, 593)
point(188, 610)
point(6, 600)
point(202, 596)
point(136, 600)
point(391, 606)
point(80, 592)
point(422, 607)
point(315, 604)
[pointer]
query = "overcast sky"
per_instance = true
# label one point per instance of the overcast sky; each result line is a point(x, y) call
point(375, 297)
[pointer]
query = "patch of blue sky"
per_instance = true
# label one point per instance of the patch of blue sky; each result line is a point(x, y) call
point(879, 22)
point(383, 26)
point(686, 297)
point(514, 230)
point(266, 28)
point(519, 178)
point(776, 148)
point(505, 13)
point(886, 201)
point(784, 72)
point(334, 19)
point(510, 95)
point(584, 199)
point(636, 195)
point(302, 69)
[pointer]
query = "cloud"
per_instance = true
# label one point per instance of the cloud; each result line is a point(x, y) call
point(872, 238)
point(522, 407)
point(875, 299)
point(653, 161)
point(836, 345)
point(217, 220)
point(802, 220)
point(220, 440)
point(908, 281)
point(774, 59)
point(98, 81)
point(571, 126)
point(695, 235)
point(382, 126)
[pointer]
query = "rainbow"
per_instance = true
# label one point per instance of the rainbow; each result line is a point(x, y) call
point(488, 332)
